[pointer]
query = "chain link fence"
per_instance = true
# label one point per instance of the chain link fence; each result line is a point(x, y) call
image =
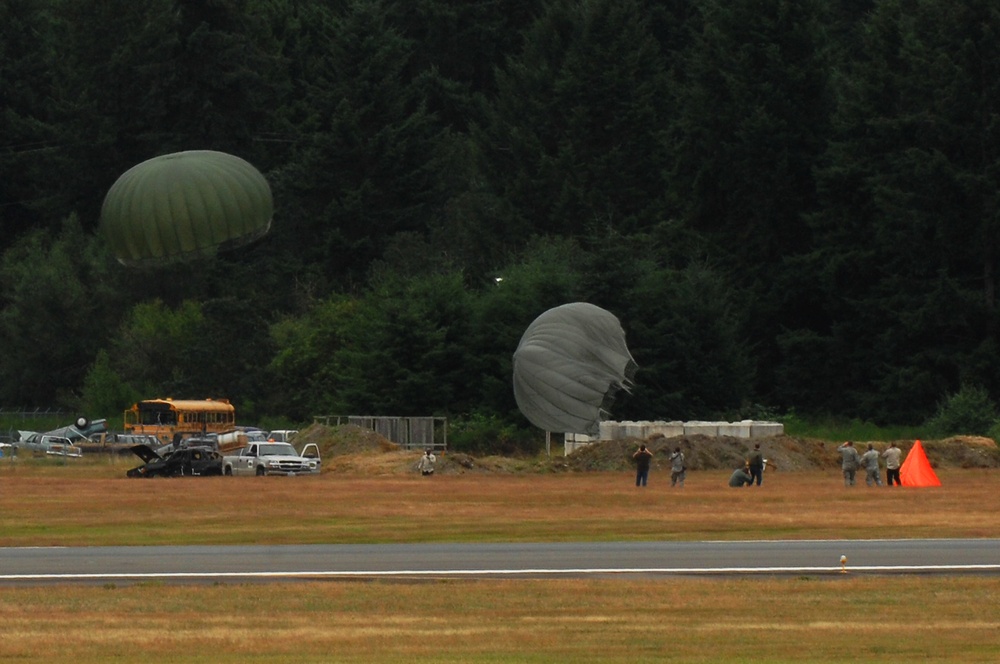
point(407, 432)
point(8, 414)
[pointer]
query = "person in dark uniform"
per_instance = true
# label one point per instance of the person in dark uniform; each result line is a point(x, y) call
point(755, 464)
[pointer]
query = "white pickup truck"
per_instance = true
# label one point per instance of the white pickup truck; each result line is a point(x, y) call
point(272, 459)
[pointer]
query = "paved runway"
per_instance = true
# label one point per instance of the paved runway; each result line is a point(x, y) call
point(29, 565)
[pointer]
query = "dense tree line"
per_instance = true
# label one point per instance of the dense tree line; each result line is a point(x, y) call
point(789, 204)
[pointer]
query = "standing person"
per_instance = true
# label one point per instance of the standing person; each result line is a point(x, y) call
point(427, 461)
point(850, 462)
point(678, 469)
point(755, 464)
point(892, 455)
point(870, 462)
point(642, 458)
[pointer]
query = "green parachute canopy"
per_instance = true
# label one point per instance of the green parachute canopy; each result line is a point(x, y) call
point(185, 205)
point(569, 366)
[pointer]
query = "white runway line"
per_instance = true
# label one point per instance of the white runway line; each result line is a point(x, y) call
point(506, 572)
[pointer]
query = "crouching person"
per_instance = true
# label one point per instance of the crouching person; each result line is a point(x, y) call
point(740, 477)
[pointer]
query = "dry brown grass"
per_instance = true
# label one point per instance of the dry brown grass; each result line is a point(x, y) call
point(863, 619)
point(68, 506)
point(833, 619)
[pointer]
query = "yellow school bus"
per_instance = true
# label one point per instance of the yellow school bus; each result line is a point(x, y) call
point(171, 419)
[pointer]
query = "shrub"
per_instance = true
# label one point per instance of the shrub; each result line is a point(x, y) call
point(969, 411)
point(483, 435)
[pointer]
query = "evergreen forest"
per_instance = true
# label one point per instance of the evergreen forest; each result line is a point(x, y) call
point(790, 205)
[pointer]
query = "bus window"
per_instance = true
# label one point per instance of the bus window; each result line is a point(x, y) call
point(169, 419)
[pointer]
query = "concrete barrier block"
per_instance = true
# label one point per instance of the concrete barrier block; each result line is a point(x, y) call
point(764, 429)
point(572, 446)
point(609, 430)
point(701, 429)
point(636, 429)
point(613, 430)
point(666, 429)
point(736, 429)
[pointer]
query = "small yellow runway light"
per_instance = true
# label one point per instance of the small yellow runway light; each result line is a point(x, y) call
point(843, 564)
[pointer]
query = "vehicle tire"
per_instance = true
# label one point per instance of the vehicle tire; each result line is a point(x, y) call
point(228, 472)
point(260, 471)
point(82, 422)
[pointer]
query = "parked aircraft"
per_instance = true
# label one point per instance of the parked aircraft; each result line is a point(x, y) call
point(60, 442)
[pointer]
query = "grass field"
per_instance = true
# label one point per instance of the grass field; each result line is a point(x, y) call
point(838, 618)
point(51, 505)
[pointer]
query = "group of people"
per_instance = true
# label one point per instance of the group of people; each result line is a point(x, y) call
point(751, 473)
point(851, 461)
point(643, 456)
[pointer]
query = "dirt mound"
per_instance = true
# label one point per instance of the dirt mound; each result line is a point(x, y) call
point(352, 449)
point(961, 452)
point(703, 453)
point(344, 439)
point(784, 453)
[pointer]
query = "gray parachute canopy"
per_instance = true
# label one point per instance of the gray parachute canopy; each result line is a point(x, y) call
point(569, 366)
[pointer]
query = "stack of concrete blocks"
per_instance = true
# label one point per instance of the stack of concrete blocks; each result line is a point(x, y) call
point(765, 429)
point(574, 441)
point(611, 430)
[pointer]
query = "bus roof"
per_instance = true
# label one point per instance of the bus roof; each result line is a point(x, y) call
point(188, 405)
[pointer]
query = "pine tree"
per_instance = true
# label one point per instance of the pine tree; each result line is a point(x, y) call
point(360, 171)
point(909, 233)
point(575, 134)
point(752, 96)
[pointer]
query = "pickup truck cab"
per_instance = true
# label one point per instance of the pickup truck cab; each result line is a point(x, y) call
point(272, 459)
